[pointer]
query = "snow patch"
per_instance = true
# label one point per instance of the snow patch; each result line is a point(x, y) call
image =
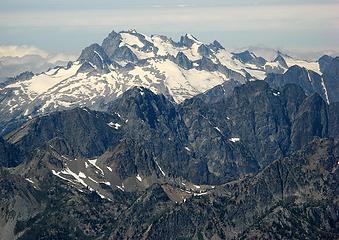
point(82, 175)
point(102, 60)
point(325, 90)
point(200, 194)
point(29, 180)
point(68, 171)
point(40, 83)
point(131, 40)
point(308, 76)
point(122, 187)
point(114, 125)
point(139, 178)
point(85, 109)
point(94, 163)
point(107, 183)
point(92, 180)
point(218, 129)
point(234, 139)
point(314, 66)
point(162, 172)
point(276, 94)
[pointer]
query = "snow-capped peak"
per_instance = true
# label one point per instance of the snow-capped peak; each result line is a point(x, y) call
point(132, 30)
point(190, 36)
point(179, 70)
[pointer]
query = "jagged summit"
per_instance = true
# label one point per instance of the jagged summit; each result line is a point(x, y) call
point(177, 69)
point(188, 40)
point(280, 60)
point(93, 58)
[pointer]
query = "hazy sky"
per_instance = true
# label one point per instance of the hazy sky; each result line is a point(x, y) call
point(70, 25)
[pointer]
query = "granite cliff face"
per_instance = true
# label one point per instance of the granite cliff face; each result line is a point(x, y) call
point(211, 143)
point(237, 162)
point(330, 76)
point(10, 155)
point(325, 84)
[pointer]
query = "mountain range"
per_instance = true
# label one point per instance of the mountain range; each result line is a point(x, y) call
point(179, 70)
point(148, 138)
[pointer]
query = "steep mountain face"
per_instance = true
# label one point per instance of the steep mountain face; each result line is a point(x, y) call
point(252, 162)
point(310, 81)
point(10, 156)
point(218, 92)
point(211, 142)
point(77, 132)
point(19, 201)
point(297, 198)
point(280, 59)
point(324, 62)
point(310, 121)
point(179, 70)
point(154, 135)
point(94, 58)
point(331, 79)
point(206, 142)
point(247, 57)
point(266, 122)
point(282, 201)
point(294, 197)
point(334, 120)
point(156, 123)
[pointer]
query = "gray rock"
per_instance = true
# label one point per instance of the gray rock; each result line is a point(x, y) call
point(333, 118)
point(84, 132)
point(111, 43)
point(280, 59)
point(324, 62)
point(204, 51)
point(331, 80)
point(248, 57)
point(310, 81)
point(10, 156)
point(310, 121)
point(219, 92)
point(272, 176)
point(124, 54)
point(207, 64)
point(187, 41)
point(216, 46)
point(183, 61)
point(94, 58)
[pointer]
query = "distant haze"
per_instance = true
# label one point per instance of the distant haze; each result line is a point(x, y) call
point(60, 26)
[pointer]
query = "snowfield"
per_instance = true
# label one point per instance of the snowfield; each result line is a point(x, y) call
point(157, 69)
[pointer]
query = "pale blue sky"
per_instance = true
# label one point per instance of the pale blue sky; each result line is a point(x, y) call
point(70, 25)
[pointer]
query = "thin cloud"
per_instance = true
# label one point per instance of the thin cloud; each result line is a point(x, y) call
point(15, 59)
point(21, 51)
point(222, 18)
point(307, 24)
